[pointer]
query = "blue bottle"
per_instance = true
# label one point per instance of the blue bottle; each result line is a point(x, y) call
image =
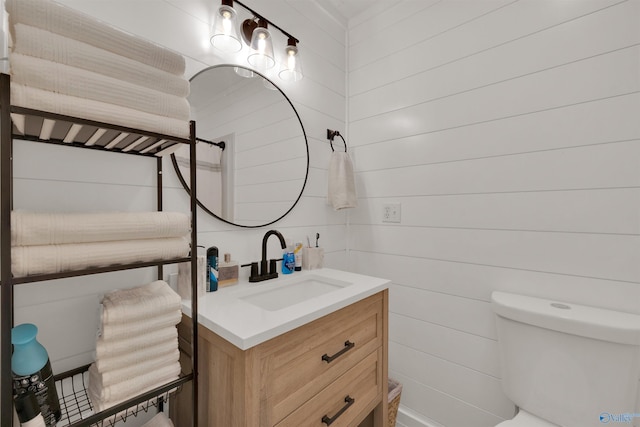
point(288, 261)
point(32, 371)
point(212, 269)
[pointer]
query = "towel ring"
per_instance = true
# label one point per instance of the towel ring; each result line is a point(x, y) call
point(331, 141)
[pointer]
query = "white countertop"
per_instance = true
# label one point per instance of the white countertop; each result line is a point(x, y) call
point(229, 313)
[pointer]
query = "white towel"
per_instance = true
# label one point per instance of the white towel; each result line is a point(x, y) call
point(74, 106)
point(342, 186)
point(162, 338)
point(131, 329)
point(139, 303)
point(132, 386)
point(135, 355)
point(42, 259)
point(184, 278)
point(64, 79)
point(53, 228)
point(112, 377)
point(43, 44)
point(68, 22)
point(159, 420)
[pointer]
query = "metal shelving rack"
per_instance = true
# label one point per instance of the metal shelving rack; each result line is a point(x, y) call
point(41, 126)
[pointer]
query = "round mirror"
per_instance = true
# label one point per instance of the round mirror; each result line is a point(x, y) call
point(252, 156)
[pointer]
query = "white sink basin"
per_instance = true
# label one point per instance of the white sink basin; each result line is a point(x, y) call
point(248, 314)
point(293, 292)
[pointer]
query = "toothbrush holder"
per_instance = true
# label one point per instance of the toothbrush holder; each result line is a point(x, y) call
point(312, 258)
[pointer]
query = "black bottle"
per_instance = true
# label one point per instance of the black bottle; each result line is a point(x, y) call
point(212, 269)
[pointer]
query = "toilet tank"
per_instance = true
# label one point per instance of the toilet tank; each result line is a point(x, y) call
point(572, 365)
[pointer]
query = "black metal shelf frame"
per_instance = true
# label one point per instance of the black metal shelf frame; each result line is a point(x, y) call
point(101, 136)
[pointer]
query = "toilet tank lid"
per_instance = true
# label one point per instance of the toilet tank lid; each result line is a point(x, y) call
point(590, 322)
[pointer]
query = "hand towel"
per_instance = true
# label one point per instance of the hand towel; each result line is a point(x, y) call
point(132, 386)
point(53, 47)
point(142, 302)
point(111, 377)
point(140, 327)
point(74, 106)
point(29, 260)
point(342, 186)
point(55, 228)
point(135, 356)
point(68, 22)
point(159, 420)
point(184, 278)
point(64, 79)
point(161, 339)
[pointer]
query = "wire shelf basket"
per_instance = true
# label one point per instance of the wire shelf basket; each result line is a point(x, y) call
point(76, 406)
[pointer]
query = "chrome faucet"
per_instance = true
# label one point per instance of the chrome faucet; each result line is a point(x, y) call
point(270, 272)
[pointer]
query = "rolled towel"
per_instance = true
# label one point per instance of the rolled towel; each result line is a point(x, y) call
point(64, 79)
point(115, 331)
point(164, 337)
point(164, 349)
point(159, 420)
point(44, 44)
point(132, 386)
point(342, 187)
point(68, 22)
point(127, 305)
point(30, 228)
point(42, 259)
point(115, 376)
point(99, 111)
point(184, 278)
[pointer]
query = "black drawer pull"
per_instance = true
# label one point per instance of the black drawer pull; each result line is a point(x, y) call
point(348, 345)
point(349, 401)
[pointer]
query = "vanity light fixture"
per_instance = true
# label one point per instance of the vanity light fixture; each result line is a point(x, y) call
point(291, 69)
point(261, 56)
point(225, 29)
point(255, 34)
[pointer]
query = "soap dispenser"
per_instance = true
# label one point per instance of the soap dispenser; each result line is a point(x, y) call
point(288, 259)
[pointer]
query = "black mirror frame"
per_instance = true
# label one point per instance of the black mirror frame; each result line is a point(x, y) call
point(306, 142)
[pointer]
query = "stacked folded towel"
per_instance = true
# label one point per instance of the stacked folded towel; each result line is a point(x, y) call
point(54, 242)
point(137, 347)
point(69, 63)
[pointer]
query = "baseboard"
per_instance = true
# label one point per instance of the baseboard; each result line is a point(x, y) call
point(408, 418)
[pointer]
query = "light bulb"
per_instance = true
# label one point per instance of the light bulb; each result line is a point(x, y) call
point(291, 68)
point(261, 56)
point(225, 34)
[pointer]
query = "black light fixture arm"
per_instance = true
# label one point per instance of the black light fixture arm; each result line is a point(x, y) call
point(259, 16)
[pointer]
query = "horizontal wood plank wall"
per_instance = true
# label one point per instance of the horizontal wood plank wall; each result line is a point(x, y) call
point(508, 131)
point(65, 179)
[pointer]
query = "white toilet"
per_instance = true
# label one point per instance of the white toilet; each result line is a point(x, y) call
point(568, 365)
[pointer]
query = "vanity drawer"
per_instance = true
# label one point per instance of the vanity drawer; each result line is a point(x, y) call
point(343, 400)
point(299, 364)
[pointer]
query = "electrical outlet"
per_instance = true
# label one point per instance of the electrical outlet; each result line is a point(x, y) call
point(391, 212)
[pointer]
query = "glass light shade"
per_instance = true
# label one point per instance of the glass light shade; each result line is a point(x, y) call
point(225, 30)
point(244, 72)
point(261, 56)
point(291, 68)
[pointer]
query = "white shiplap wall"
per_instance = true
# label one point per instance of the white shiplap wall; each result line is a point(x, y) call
point(65, 179)
point(508, 131)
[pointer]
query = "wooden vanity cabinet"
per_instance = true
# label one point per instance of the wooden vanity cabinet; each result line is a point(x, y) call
point(332, 371)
